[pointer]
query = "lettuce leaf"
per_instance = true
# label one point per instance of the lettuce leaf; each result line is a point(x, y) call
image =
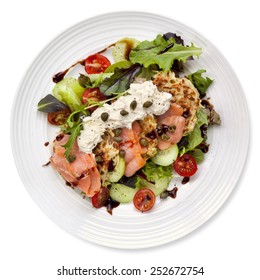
point(148, 73)
point(194, 137)
point(200, 82)
point(153, 172)
point(202, 118)
point(70, 92)
point(197, 154)
point(162, 52)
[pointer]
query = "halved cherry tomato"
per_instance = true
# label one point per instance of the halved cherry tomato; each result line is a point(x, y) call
point(96, 63)
point(100, 199)
point(144, 200)
point(185, 165)
point(59, 117)
point(93, 94)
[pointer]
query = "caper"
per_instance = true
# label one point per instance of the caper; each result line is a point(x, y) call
point(123, 113)
point(143, 142)
point(99, 159)
point(118, 131)
point(147, 104)
point(172, 128)
point(118, 139)
point(104, 116)
point(122, 153)
point(71, 158)
point(133, 104)
point(165, 137)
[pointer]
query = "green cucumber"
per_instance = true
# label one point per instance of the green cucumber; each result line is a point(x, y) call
point(123, 47)
point(122, 193)
point(158, 187)
point(118, 172)
point(167, 156)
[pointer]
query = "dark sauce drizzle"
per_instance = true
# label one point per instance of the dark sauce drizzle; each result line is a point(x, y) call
point(47, 163)
point(185, 180)
point(60, 75)
point(171, 193)
point(110, 205)
point(59, 137)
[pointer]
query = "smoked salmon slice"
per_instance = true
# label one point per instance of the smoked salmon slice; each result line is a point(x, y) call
point(134, 165)
point(133, 150)
point(173, 117)
point(82, 172)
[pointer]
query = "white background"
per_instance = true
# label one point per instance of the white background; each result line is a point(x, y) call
point(32, 246)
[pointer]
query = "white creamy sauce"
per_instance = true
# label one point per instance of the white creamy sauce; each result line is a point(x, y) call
point(94, 127)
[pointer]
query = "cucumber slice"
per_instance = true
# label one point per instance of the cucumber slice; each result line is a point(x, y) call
point(158, 187)
point(123, 47)
point(122, 193)
point(118, 172)
point(167, 156)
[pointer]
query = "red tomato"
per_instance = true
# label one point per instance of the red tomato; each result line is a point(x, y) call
point(185, 165)
point(144, 200)
point(93, 94)
point(59, 117)
point(100, 199)
point(96, 63)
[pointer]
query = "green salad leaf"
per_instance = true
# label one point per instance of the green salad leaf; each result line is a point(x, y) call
point(200, 82)
point(120, 81)
point(194, 138)
point(162, 52)
point(148, 73)
point(197, 154)
point(202, 118)
point(120, 64)
point(154, 172)
point(70, 92)
point(84, 81)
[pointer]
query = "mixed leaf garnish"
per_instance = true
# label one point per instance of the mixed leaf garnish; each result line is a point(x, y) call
point(120, 81)
point(50, 104)
point(200, 82)
point(162, 52)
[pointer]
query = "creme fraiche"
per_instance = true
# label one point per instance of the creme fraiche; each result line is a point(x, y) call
point(145, 97)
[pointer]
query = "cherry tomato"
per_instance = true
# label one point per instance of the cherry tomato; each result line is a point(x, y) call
point(185, 165)
point(144, 200)
point(96, 63)
point(93, 94)
point(59, 117)
point(100, 199)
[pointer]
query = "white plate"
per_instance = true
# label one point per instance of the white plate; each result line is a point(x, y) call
point(170, 219)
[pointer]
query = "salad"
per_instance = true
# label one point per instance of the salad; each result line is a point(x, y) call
point(131, 121)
